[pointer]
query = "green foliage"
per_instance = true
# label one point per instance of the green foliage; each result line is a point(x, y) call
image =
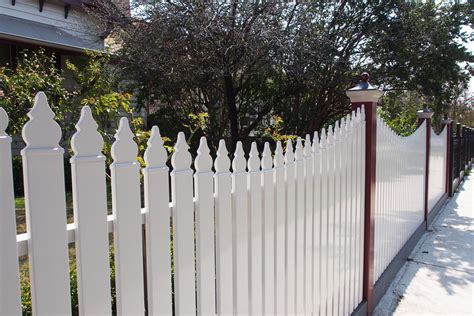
point(398, 110)
point(35, 71)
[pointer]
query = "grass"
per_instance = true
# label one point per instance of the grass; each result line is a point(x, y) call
point(21, 212)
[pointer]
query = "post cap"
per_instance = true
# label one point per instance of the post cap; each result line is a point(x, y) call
point(364, 91)
point(446, 121)
point(424, 113)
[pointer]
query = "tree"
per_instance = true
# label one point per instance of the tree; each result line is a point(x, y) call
point(244, 62)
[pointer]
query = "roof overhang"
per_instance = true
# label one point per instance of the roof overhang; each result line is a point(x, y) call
point(30, 32)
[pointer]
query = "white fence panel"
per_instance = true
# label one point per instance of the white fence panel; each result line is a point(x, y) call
point(90, 217)
point(183, 228)
point(9, 278)
point(437, 167)
point(127, 222)
point(46, 211)
point(205, 247)
point(158, 258)
point(393, 221)
point(284, 237)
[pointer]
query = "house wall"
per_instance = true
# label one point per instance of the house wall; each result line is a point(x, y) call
point(77, 23)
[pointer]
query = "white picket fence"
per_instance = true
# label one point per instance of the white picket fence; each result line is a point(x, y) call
point(437, 167)
point(276, 234)
point(399, 208)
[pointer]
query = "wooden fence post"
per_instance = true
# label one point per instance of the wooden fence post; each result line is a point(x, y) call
point(448, 124)
point(9, 280)
point(365, 95)
point(45, 202)
point(425, 115)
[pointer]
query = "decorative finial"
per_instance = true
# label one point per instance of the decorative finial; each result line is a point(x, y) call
point(41, 131)
point(315, 147)
point(299, 149)
point(3, 122)
point(181, 159)
point(278, 159)
point(239, 163)
point(203, 162)
point(222, 163)
point(307, 147)
point(253, 163)
point(124, 149)
point(87, 141)
point(289, 154)
point(323, 142)
point(155, 154)
point(267, 162)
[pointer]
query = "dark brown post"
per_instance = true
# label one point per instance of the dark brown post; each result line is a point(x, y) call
point(460, 168)
point(425, 115)
point(365, 94)
point(448, 125)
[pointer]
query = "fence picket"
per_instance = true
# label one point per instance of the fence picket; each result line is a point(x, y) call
point(324, 223)
point(256, 222)
point(300, 227)
point(127, 222)
point(290, 178)
point(9, 278)
point(331, 223)
point(204, 213)
point(268, 231)
point(316, 252)
point(280, 242)
point(308, 230)
point(90, 217)
point(241, 232)
point(337, 215)
point(46, 211)
point(183, 228)
point(158, 259)
point(224, 266)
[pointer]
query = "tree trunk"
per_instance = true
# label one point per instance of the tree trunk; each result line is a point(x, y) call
point(232, 111)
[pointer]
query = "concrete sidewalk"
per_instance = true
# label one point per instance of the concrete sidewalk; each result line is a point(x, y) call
point(438, 278)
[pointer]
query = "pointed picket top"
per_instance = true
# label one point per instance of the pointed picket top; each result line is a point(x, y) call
point(253, 163)
point(323, 142)
point(362, 112)
point(299, 149)
point(336, 133)
point(87, 141)
point(357, 117)
point(353, 116)
point(222, 162)
point(155, 154)
point(342, 128)
point(278, 159)
point(181, 159)
point(307, 147)
point(203, 161)
point(316, 145)
point(239, 163)
point(3, 122)
point(330, 136)
point(41, 131)
point(124, 149)
point(289, 154)
point(267, 162)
